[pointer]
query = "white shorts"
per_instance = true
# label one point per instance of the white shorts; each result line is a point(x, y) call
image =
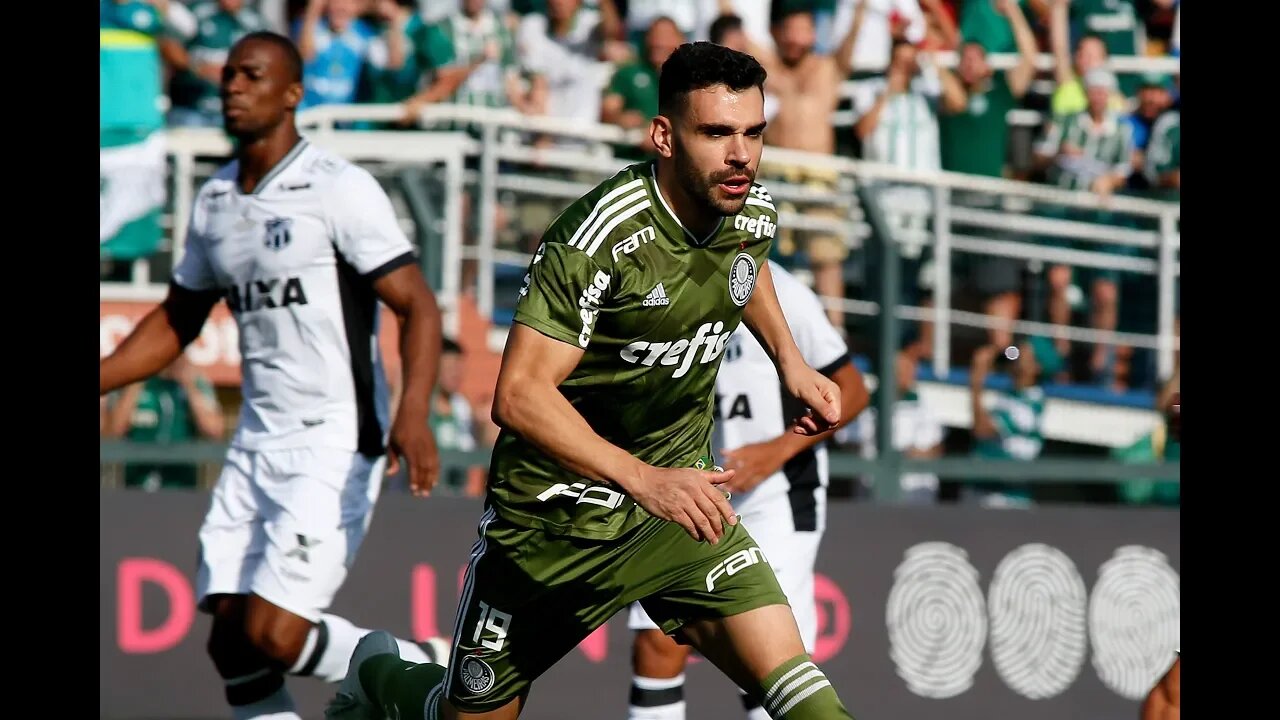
point(791, 554)
point(285, 525)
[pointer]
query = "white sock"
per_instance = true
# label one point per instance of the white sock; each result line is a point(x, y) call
point(328, 648)
point(656, 698)
point(276, 706)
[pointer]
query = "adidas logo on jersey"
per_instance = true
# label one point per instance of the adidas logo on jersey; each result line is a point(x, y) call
point(656, 297)
point(710, 340)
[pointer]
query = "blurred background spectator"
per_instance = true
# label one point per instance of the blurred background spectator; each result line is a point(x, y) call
point(1011, 427)
point(334, 42)
point(631, 99)
point(964, 86)
point(175, 406)
point(196, 59)
point(917, 432)
point(451, 418)
point(131, 153)
point(973, 129)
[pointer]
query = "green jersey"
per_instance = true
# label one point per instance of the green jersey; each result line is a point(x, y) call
point(976, 139)
point(1019, 420)
point(651, 307)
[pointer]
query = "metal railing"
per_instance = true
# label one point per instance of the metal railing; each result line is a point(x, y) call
point(322, 124)
point(494, 149)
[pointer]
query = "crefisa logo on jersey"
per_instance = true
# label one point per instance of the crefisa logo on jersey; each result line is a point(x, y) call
point(477, 675)
point(278, 233)
point(742, 278)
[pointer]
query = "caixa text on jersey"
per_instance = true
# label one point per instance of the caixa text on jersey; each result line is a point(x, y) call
point(265, 294)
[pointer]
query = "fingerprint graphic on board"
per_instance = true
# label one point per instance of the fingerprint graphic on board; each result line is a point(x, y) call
point(1037, 602)
point(936, 619)
point(1134, 620)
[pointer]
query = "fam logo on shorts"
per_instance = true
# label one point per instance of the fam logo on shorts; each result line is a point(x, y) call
point(476, 675)
point(278, 235)
point(742, 278)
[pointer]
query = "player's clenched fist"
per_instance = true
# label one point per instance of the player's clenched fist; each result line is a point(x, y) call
point(688, 497)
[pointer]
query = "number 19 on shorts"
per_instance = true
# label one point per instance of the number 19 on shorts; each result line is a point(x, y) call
point(492, 620)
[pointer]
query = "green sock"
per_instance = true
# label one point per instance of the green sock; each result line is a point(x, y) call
point(402, 688)
point(797, 690)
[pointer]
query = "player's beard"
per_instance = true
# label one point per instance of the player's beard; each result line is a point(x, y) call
point(705, 188)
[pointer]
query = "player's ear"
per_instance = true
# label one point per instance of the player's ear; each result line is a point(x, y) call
point(293, 95)
point(660, 132)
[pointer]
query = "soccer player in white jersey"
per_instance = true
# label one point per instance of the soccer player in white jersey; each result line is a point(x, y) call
point(780, 486)
point(302, 245)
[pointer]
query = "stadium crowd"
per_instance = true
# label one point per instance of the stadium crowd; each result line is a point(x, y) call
point(592, 61)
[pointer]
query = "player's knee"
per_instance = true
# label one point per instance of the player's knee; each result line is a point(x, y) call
point(656, 655)
point(231, 651)
point(278, 636)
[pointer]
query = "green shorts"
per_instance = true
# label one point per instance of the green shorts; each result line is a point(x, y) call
point(530, 597)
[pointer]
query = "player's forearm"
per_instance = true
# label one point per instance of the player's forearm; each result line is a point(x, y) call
point(537, 412)
point(764, 318)
point(854, 398)
point(420, 338)
point(152, 346)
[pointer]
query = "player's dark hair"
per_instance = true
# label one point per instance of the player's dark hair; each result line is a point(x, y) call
point(722, 26)
point(292, 58)
point(699, 65)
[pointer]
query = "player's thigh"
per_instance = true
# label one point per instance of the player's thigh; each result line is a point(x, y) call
point(679, 579)
point(749, 645)
point(232, 537)
point(727, 603)
point(316, 504)
point(792, 554)
point(528, 598)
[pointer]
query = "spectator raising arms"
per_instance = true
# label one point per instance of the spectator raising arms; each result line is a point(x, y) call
point(334, 44)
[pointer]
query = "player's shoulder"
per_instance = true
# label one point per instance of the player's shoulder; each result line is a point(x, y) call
point(616, 208)
point(333, 175)
point(759, 201)
point(758, 217)
point(322, 164)
point(221, 182)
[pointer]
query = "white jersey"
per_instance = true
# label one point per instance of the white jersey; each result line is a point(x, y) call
point(296, 261)
point(752, 407)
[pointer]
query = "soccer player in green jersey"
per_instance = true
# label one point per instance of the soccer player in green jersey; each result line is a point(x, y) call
point(600, 490)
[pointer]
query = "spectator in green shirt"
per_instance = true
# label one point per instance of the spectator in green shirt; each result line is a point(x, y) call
point(632, 98)
point(1012, 426)
point(976, 101)
point(985, 22)
point(177, 405)
point(974, 131)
